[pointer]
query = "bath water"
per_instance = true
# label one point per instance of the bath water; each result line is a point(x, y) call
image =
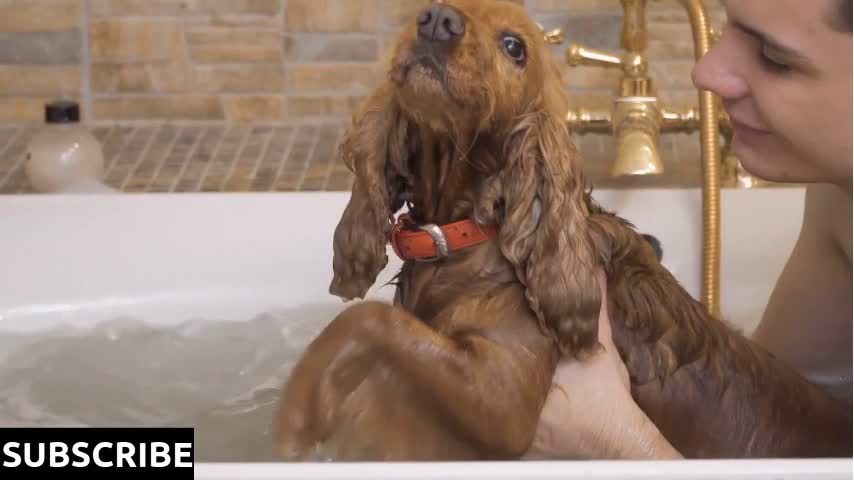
point(223, 377)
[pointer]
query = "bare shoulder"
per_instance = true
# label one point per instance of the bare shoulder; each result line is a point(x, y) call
point(827, 215)
point(808, 321)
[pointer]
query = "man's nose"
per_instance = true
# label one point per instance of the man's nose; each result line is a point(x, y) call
point(441, 23)
point(719, 72)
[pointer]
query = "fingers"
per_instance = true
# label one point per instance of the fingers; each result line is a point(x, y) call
point(552, 422)
point(605, 335)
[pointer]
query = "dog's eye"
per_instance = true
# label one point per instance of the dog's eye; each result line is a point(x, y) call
point(515, 49)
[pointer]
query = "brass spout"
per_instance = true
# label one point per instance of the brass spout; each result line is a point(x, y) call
point(637, 121)
point(637, 154)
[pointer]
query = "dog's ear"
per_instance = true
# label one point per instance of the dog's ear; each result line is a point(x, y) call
point(376, 149)
point(540, 201)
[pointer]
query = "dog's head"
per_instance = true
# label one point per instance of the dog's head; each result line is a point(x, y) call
point(465, 70)
point(467, 66)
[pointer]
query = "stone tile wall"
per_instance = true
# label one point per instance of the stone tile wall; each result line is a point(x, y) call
point(41, 55)
point(269, 61)
point(165, 81)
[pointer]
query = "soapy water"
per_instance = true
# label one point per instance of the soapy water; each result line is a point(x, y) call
point(222, 378)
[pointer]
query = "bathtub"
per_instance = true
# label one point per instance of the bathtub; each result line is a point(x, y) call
point(76, 260)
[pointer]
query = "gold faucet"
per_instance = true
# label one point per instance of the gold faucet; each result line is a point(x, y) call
point(638, 117)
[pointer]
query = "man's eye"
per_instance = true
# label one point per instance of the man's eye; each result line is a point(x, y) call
point(770, 63)
point(514, 47)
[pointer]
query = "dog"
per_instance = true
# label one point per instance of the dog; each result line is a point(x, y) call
point(502, 241)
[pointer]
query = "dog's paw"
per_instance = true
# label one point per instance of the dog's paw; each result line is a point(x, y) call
point(302, 420)
point(303, 425)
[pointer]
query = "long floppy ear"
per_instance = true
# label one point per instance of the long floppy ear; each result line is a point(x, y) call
point(375, 149)
point(540, 198)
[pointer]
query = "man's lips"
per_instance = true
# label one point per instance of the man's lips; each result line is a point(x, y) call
point(743, 127)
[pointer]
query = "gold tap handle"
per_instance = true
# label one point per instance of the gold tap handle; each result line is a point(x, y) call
point(583, 120)
point(577, 55)
point(554, 37)
point(682, 120)
point(688, 120)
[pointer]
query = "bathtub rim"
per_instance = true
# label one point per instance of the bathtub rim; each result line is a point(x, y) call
point(817, 469)
point(682, 228)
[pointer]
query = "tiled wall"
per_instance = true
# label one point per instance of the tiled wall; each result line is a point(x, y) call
point(265, 60)
point(234, 95)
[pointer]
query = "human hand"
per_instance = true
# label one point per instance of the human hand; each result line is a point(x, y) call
point(590, 412)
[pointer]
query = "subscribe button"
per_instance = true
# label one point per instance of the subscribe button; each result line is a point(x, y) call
point(108, 452)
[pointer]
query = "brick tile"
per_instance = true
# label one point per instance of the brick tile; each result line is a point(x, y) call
point(168, 76)
point(331, 16)
point(293, 171)
point(39, 15)
point(333, 77)
point(26, 80)
point(397, 12)
point(323, 106)
point(214, 44)
point(274, 158)
point(132, 153)
point(576, 5)
point(255, 108)
point(183, 7)
point(252, 78)
point(15, 183)
point(135, 39)
point(178, 107)
point(40, 48)
point(243, 169)
point(672, 74)
point(225, 156)
point(12, 157)
point(114, 144)
point(189, 179)
point(322, 160)
point(331, 48)
point(101, 133)
point(143, 172)
point(176, 161)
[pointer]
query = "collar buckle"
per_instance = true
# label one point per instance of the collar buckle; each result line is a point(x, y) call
point(440, 241)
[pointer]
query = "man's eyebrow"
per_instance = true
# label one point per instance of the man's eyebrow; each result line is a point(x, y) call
point(769, 41)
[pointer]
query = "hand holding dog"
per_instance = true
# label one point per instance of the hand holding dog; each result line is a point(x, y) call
point(589, 412)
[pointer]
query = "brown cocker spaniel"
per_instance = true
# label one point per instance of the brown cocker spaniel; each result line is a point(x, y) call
point(502, 243)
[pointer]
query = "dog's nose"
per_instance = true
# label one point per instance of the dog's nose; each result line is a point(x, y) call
point(441, 23)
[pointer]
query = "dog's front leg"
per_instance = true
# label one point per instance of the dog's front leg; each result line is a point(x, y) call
point(490, 382)
point(379, 383)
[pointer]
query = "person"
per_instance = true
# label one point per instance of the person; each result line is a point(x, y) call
point(783, 69)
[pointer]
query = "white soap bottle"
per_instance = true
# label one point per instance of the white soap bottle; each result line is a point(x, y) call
point(63, 156)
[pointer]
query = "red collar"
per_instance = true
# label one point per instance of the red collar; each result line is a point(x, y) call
point(434, 242)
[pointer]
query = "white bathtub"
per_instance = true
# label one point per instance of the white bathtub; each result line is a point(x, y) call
point(82, 259)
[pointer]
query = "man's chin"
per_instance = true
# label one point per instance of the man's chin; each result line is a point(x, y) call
point(771, 164)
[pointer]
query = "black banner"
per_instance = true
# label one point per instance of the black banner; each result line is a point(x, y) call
point(115, 452)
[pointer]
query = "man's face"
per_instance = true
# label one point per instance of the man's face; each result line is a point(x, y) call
point(784, 75)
